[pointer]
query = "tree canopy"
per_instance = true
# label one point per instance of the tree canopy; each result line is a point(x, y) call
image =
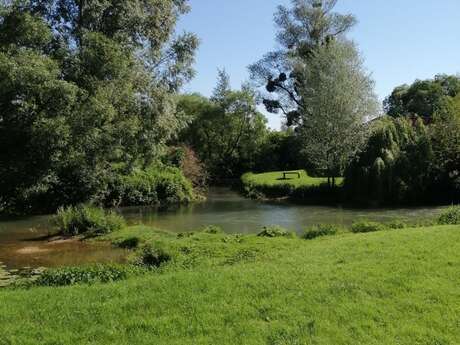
point(88, 88)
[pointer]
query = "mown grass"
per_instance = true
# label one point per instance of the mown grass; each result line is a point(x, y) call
point(276, 178)
point(387, 287)
point(273, 185)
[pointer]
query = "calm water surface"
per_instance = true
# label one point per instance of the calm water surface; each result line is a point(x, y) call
point(23, 241)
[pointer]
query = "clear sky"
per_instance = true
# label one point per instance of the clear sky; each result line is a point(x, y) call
point(401, 40)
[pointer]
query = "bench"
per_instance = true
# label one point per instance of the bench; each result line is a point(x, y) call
point(290, 173)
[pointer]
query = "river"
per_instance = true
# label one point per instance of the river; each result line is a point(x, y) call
point(23, 241)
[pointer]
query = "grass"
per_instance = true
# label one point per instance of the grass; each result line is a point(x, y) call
point(388, 287)
point(272, 185)
point(276, 178)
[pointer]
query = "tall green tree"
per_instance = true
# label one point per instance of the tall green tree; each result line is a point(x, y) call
point(226, 130)
point(422, 98)
point(302, 29)
point(339, 97)
point(88, 88)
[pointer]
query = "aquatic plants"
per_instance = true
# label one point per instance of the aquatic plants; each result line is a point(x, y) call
point(88, 220)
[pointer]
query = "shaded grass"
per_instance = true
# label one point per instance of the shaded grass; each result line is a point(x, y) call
point(389, 287)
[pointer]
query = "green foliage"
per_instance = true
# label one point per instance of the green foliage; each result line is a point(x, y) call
point(82, 275)
point(306, 188)
point(152, 257)
point(129, 243)
point(321, 230)
point(273, 231)
point(423, 97)
point(226, 131)
point(406, 161)
point(84, 88)
point(397, 224)
point(260, 290)
point(367, 226)
point(88, 220)
point(450, 216)
point(213, 230)
point(302, 28)
point(155, 185)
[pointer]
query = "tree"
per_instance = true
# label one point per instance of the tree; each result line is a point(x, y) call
point(422, 98)
point(88, 91)
point(305, 27)
point(339, 97)
point(226, 131)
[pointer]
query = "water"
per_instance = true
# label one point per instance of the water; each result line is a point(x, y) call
point(235, 214)
point(24, 242)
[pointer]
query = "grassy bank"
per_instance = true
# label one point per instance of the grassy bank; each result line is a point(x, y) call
point(386, 287)
point(273, 185)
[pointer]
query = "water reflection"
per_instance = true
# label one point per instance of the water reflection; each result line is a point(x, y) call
point(235, 214)
point(24, 242)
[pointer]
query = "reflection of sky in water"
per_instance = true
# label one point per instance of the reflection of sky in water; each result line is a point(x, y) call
point(236, 214)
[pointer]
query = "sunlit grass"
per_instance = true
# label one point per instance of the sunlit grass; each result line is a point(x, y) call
point(388, 287)
point(276, 178)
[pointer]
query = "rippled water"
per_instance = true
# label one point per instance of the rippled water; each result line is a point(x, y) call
point(236, 214)
point(23, 242)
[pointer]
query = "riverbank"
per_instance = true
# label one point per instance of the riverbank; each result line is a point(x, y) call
point(378, 288)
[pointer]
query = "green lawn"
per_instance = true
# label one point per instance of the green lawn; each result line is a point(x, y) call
point(390, 287)
point(276, 178)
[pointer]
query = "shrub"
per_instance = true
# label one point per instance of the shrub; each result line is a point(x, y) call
point(321, 230)
point(275, 231)
point(152, 186)
point(367, 226)
point(85, 219)
point(82, 275)
point(450, 217)
point(153, 257)
point(397, 224)
point(129, 243)
point(213, 229)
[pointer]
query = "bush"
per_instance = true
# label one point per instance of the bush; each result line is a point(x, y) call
point(275, 231)
point(397, 224)
point(129, 243)
point(153, 257)
point(213, 229)
point(82, 275)
point(450, 217)
point(321, 230)
point(85, 219)
point(150, 187)
point(367, 226)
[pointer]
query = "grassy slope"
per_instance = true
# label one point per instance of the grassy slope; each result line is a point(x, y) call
point(276, 178)
point(390, 287)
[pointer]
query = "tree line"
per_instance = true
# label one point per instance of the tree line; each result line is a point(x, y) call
point(91, 109)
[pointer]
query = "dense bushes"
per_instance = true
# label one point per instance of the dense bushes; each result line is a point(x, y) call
point(321, 230)
point(367, 226)
point(450, 216)
point(407, 162)
point(150, 187)
point(273, 231)
point(88, 220)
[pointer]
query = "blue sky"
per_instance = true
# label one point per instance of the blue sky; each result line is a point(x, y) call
point(400, 40)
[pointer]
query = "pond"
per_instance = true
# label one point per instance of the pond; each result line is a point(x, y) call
point(24, 243)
